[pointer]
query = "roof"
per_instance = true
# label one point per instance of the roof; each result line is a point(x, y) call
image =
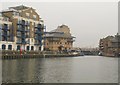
point(61, 32)
point(58, 35)
point(116, 38)
point(21, 7)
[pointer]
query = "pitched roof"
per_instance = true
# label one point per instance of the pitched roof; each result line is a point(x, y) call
point(58, 35)
point(21, 7)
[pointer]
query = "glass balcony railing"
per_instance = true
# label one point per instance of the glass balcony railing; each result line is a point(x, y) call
point(27, 24)
point(37, 32)
point(27, 30)
point(19, 42)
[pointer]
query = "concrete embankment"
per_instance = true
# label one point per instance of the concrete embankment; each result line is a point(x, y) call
point(33, 54)
point(18, 56)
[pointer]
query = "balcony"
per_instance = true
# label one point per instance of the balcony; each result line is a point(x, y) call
point(20, 29)
point(27, 24)
point(5, 19)
point(27, 42)
point(37, 32)
point(19, 36)
point(5, 29)
point(71, 40)
point(37, 44)
point(5, 35)
point(26, 30)
point(18, 42)
point(23, 42)
point(23, 36)
point(27, 36)
point(21, 23)
point(38, 38)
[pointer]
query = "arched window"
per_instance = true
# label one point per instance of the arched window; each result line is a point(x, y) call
point(39, 48)
point(18, 47)
point(9, 47)
point(32, 47)
point(27, 47)
point(3, 47)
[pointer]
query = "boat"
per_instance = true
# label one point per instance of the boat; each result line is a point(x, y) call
point(100, 54)
point(77, 52)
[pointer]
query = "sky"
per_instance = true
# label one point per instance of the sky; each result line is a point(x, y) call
point(88, 21)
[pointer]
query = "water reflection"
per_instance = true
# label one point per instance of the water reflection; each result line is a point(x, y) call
point(61, 70)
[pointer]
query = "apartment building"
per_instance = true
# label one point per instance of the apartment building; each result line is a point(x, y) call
point(110, 45)
point(25, 29)
point(59, 39)
point(6, 40)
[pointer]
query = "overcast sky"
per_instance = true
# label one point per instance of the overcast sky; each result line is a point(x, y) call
point(88, 21)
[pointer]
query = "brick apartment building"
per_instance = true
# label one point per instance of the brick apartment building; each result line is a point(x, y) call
point(21, 28)
point(110, 45)
point(59, 39)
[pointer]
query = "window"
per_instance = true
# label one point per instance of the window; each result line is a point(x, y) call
point(0, 14)
point(27, 47)
point(31, 40)
point(16, 14)
point(19, 21)
point(8, 33)
point(34, 17)
point(0, 26)
point(18, 47)
point(27, 15)
point(0, 36)
point(9, 47)
point(3, 47)
point(39, 48)
point(32, 47)
point(33, 23)
point(19, 40)
point(18, 33)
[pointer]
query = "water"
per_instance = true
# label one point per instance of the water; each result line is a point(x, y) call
point(87, 69)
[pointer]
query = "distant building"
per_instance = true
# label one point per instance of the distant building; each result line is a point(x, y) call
point(59, 39)
point(21, 28)
point(110, 46)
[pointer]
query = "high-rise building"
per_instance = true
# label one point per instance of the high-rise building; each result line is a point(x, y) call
point(21, 28)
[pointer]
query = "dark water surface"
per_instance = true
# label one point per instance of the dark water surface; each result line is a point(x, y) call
point(87, 69)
